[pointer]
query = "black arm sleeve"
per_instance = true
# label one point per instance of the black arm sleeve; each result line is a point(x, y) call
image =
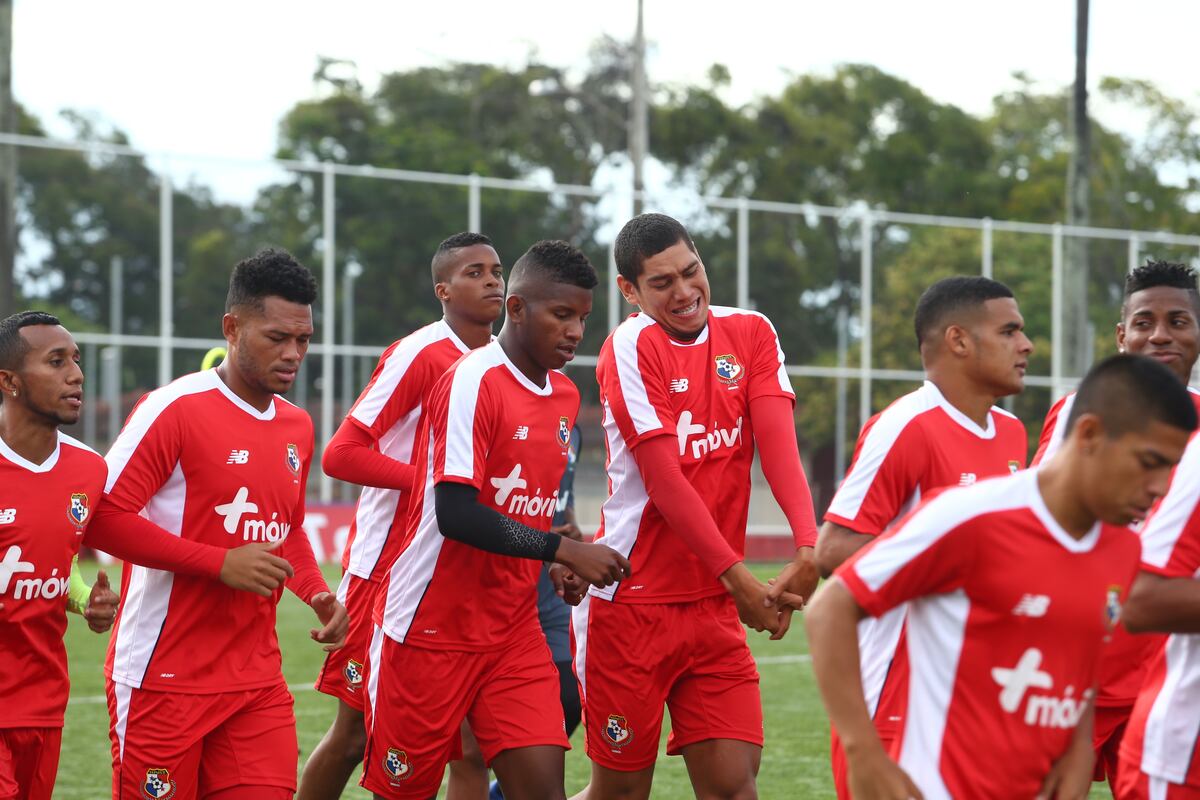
point(464, 520)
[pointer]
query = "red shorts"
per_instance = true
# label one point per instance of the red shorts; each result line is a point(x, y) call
point(343, 674)
point(197, 744)
point(1133, 784)
point(631, 659)
point(418, 698)
point(837, 761)
point(1106, 741)
point(28, 762)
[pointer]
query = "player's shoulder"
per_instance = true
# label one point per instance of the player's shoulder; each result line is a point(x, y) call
point(743, 318)
point(1007, 420)
point(435, 338)
point(287, 410)
point(955, 506)
point(562, 383)
point(905, 412)
point(79, 449)
point(181, 391)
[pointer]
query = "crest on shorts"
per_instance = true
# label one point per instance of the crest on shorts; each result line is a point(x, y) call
point(397, 765)
point(564, 431)
point(728, 368)
point(1014, 467)
point(353, 673)
point(617, 731)
point(293, 459)
point(78, 510)
point(158, 785)
point(1112, 607)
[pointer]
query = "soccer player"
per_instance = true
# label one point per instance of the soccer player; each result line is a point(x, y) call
point(1012, 585)
point(197, 700)
point(1159, 320)
point(457, 633)
point(688, 390)
point(946, 433)
point(374, 447)
point(52, 488)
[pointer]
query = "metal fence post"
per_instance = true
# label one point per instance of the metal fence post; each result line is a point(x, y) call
point(166, 277)
point(866, 271)
point(987, 247)
point(474, 214)
point(1135, 248)
point(1056, 310)
point(327, 323)
point(743, 253)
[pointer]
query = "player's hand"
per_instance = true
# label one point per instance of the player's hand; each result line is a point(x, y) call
point(1071, 776)
point(792, 588)
point(101, 607)
point(252, 568)
point(569, 530)
point(877, 777)
point(567, 584)
point(750, 595)
point(334, 617)
point(593, 563)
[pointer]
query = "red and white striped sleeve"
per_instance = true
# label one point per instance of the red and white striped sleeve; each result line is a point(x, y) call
point(768, 373)
point(395, 388)
point(634, 383)
point(1052, 429)
point(461, 417)
point(1171, 536)
point(146, 452)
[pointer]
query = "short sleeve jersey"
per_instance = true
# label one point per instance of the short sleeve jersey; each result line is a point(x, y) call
point(1165, 725)
point(489, 427)
point(201, 463)
point(44, 510)
point(390, 409)
point(918, 444)
point(699, 393)
point(1003, 656)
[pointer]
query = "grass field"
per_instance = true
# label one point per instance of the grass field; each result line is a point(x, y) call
point(795, 760)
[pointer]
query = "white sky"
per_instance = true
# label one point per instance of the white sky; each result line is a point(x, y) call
point(216, 77)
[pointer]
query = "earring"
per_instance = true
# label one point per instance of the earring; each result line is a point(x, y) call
point(14, 392)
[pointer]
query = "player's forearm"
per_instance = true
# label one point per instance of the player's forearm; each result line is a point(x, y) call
point(78, 590)
point(307, 580)
point(831, 621)
point(1161, 604)
point(351, 457)
point(681, 505)
point(775, 435)
point(131, 537)
point(835, 544)
point(461, 518)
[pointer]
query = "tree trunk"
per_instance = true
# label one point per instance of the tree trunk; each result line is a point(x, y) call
point(8, 168)
point(1077, 338)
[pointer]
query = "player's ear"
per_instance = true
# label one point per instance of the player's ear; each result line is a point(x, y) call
point(441, 291)
point(957, 340)
point(628, 290)
point(9, 382)
point(1120, 337)
point(1087, 431)
point(229, 326)
point(514, 306)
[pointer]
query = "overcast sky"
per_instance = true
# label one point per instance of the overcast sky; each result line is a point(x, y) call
point(216, 77)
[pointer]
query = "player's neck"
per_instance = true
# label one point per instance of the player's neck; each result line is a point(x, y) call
point(1057, 481)
point(473, 334)
point(965, 396)
point(238, 385)
point(521, 359)
point(30, 437)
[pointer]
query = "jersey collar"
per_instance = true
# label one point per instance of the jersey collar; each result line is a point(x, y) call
point(962, 419)
point(540, 391)
point(25, 463)
point(1038, 504)
point(269, 414)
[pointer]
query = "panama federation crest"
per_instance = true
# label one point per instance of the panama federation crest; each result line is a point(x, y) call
point(293, 459)
point(617, 731)
point(1112, 607)
point(564, 431)
point(1014, 467)
point(78, 510)
point(728, 368)
point(158, 784)
point(397, 765)
point(353, 673)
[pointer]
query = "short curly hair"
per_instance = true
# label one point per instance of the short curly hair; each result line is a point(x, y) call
point(558, 261)
point(1153, 274)
point(12, 346)
point(441, 256)
point(271, 272)
point(644, 236)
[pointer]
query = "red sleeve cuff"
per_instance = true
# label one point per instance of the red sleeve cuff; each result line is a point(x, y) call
point(866, 599)
point(856, 525)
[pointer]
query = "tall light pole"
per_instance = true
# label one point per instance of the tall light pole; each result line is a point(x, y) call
point(353, 271)
point(8, 168)
point(639, 136)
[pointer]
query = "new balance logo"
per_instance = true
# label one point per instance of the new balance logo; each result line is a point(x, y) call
point(238, 457)
point(253, 529)
point(522, 433)
point(1032, 605)
point(7, 515)
point(967, 479)
point(679, 385)
point(1043, 711)
point(28, 588)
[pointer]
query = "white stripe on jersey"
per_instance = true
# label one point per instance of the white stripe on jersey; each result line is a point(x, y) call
point(1060, 427)
point(878, 638)
point(460, 418)
point(882, 437)
point(621, 514)
point(1173, 725)
point(374, 665)
point(936, 631)
point(1162, 531)
point(122, 695)
point(376, 396)
point(781, 375)
point(629, 374)
point(581, 616)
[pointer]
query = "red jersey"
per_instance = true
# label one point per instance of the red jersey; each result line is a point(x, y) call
point(390, 409)
point(1126, 657)
point(201, 463)
point(490, 427)
point(1164, 728)
point(1003, 656)
point(43, 512)
point(916, 445)
point(698, 392)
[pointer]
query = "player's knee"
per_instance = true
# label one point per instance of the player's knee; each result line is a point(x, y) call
point(349, 742)
point(746, 791)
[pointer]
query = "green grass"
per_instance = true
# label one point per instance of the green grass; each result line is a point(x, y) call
point(795, 761)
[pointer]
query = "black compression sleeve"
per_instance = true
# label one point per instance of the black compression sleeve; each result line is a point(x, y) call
point(462, 518)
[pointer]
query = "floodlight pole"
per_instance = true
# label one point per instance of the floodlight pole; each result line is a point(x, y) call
point(638, 129)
